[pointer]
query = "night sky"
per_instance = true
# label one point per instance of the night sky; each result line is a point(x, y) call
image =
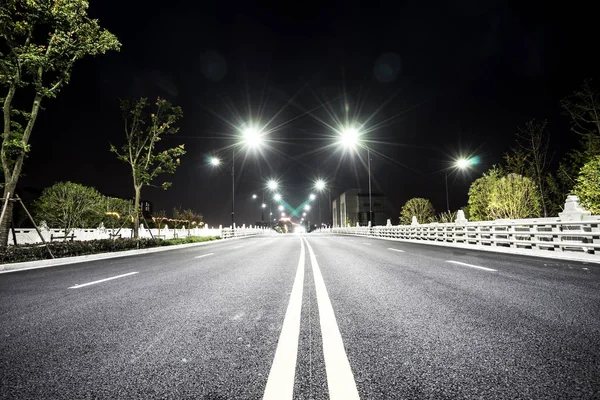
point(435, 81)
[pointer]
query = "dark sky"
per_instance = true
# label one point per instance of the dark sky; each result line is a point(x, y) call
point(435, 80)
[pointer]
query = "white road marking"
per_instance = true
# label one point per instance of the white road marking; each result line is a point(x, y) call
point(367, 244)
point(238, 247)
point(340, 379)
point(102, 280)
point(398, 250)
point(471, 265)
point(280, 384)
point(204, 255)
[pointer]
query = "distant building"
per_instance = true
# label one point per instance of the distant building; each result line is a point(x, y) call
point(352, 206)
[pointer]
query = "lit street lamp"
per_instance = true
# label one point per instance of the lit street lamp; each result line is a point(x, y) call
point(350, 139)
point(320, 185)
point(462, 164)
point(312, 196)
point(251, 138)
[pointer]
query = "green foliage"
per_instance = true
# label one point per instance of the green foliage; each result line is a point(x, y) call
point(40, 41)
point(144, 130)
point(189, 239)
point(514, 197)
point(117, 212)
point(588, 186)
point(480, 192)
point(21, 253)
point(530, 157)
point(69, 205)
point(446, 217)
point(419, 207)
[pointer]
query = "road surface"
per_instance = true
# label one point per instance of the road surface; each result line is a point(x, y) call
point(312, 316)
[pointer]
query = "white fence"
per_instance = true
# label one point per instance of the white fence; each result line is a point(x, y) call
point(575, 230)
point(29, 235)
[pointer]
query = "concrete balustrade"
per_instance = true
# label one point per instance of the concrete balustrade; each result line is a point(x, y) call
point(574, 230)
point(30, 236)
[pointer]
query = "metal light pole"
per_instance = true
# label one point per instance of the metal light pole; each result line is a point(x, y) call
point(233, 188)
point(447, 197)
point(369, 171)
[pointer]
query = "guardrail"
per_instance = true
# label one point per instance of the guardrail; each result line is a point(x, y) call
point(575, 230)
point(228, 233)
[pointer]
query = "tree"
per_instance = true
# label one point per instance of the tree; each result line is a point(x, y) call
point(68, 205)
point(480, 192)
point(143, 131)
point(40, 41)
point(583, 106)
point(446, 216)
point(530, 157)
point(588, 186)
point(117, 211)
point(419, 207)
point(514, 197)
point(192, 218)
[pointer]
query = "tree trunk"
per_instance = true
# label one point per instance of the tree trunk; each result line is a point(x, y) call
point(136, 212)
point(12, 177)
point(5, 223)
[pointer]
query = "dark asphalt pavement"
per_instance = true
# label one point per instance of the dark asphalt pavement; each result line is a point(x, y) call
point(417, 322)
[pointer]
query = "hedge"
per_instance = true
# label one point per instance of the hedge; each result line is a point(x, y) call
point(21, 253)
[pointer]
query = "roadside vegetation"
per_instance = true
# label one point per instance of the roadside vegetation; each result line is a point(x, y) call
point(21, 253)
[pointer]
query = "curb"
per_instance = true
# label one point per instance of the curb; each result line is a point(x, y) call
point(582, 257)
point(54, 262)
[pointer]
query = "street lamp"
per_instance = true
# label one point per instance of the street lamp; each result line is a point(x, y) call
point(277, 197)
point(350, 139)
point(254, 196)
point(462, 164)
point(320, 185)
point(280, 208)
point(252, 138)
point(312, 196)
point(307, 207)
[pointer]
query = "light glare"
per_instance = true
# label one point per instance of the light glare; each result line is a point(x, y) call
point(215, 161)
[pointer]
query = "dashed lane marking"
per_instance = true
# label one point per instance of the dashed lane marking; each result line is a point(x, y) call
point(102, 280)
point(472, 266)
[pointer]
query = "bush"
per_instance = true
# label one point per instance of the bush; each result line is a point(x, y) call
point(21, 253)
point(190, 239)
point(418, 207)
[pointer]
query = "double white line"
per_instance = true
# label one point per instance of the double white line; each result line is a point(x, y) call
point(340, 380)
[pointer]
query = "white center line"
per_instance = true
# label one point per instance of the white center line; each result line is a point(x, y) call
point(367, 244)
point(101, 280)
point(398, 250)
point(204, 255)
point(340, 379)
point(471, 265)
point(280, 384)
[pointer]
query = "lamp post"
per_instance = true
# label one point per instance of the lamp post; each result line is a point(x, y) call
point(462, 164)
point(320, 185)
point(350, 139)
point(251, 137)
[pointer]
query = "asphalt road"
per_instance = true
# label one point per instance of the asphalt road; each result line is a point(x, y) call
point(284, 317)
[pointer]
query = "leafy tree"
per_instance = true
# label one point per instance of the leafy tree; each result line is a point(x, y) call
point(419, 207)
point(480, 192)
point(588, 186)
point(530, 157)
point(68, 205)
point(143, 131)
point(514, 197)
point(192, 218)
point(40, 41)
point(117, 211)
point(446, 216)
point(583, 106)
